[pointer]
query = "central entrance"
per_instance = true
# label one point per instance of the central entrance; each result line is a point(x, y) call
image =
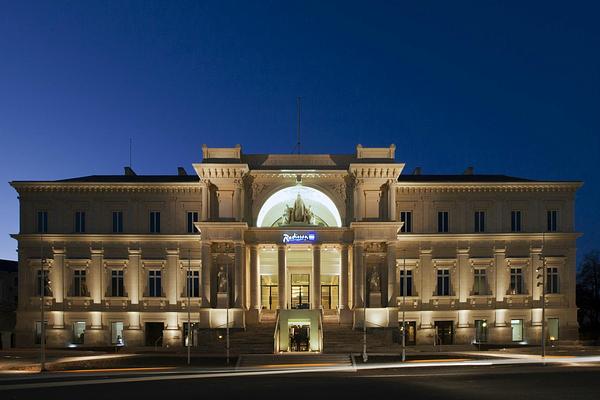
point(300, 290)
point(299, 336)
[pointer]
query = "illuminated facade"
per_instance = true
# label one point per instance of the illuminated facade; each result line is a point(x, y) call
point(301, 242)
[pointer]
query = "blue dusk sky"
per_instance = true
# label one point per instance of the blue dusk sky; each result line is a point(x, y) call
point(509, 87)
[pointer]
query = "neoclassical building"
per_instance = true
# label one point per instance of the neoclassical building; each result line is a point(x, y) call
point(297, 243)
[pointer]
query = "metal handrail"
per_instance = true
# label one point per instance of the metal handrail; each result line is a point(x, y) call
point(276, 334)
point(156, 343)
point(321, 344)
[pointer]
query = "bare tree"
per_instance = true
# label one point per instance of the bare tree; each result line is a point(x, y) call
point(588, 296)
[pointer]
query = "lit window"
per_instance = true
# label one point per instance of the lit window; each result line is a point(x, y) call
point(552, 324)
point(193, 284)
point(116, 333)
point(43, 283)
point(481, 330)
point(78, 332)
point(516, 326)
point(79, 284)
point(479, 282)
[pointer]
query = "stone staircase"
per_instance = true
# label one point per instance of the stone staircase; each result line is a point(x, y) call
point(338, 338)
point(294, 360)
point(255, 339)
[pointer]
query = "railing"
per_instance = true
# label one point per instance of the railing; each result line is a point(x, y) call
point(156, 343)
point(321, 344)
point(276, 335)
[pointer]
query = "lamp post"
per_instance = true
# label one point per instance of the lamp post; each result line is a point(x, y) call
point(364, 355)
point(42, 293)
point(227, 318)
point(404, 288)
point(189, 326)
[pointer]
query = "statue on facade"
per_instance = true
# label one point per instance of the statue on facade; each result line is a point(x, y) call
point(374, 281)
point(299, 213)
point(222, 280)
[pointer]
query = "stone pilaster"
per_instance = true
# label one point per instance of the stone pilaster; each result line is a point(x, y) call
point(57, 275)
point(358, 276)
point(392, 289)
point(206, 274)
point(238, 280)
point(282, 276)
point(96, 278)
point(344, 278)
point(171, 278)
point(254, 279)
point(134, 279)
point(465, 280)
point(316, 277)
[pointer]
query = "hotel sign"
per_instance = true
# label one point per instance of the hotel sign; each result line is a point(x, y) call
point(299, 237)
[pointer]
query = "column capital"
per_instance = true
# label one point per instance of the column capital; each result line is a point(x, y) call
point(172, 252)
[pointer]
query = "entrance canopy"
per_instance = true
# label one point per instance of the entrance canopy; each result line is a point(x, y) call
point(274, 210)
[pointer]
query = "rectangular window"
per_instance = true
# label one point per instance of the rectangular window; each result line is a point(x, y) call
point(479, 221)
point(406, 217)
point(515, 221)
point(116, 333)
point(516, 326)
point(193, 284)
point(192, 216)
point(552, 217)
point(79, 286)
point(552, 324)
point(117, 221)
point(330, 291)
point(154, 283)
point(78, 332)
point(479, 282)
point(154, 221)
point(552, 282)
point(481, 331)
point(442, 221)
point(42, 283)
point(406, 282)
point(80, 222)
point(443, 282)
point(117, 283)
point(516, 281)
point(42, 222)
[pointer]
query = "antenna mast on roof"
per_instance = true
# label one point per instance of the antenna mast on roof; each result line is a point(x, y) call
point(130, 145)
point(299, 107)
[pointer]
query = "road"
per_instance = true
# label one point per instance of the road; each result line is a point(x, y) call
point(530, 382)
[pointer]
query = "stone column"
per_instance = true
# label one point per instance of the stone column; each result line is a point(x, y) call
point(392, 290)
point(316, 274)
point(344, 278)
point(206, 274)
point(133, 288)
point(57, 275)
point(171, 278)
point(95, 283)
point(359, 276)
point(358, 200)
point(254, 279)
point(392, 201)
point(205, 208)
point(281, 272)
point(238, 280)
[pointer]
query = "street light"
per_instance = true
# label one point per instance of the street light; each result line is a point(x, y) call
point(404, 287)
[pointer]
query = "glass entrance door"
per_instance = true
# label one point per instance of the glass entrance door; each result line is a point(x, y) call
point(300, 290)
point(329, 291)
point(299, 337)
point(269, 292)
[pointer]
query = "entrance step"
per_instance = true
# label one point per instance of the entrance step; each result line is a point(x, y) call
point(294, 360)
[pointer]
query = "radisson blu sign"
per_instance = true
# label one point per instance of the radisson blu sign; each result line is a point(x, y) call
point(299, 237)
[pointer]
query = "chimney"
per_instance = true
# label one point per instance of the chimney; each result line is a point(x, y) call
point(129, 171)
point(468, 171)
point(417, 171)
point(181, 171)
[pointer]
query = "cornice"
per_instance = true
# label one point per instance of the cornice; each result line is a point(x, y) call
point(187, 187)
point(258, 174)
point(212, 171)
point(87, 238)
point(424, 187)
point(376, 171)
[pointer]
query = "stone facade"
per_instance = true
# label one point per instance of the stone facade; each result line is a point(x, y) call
point(127, 256)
